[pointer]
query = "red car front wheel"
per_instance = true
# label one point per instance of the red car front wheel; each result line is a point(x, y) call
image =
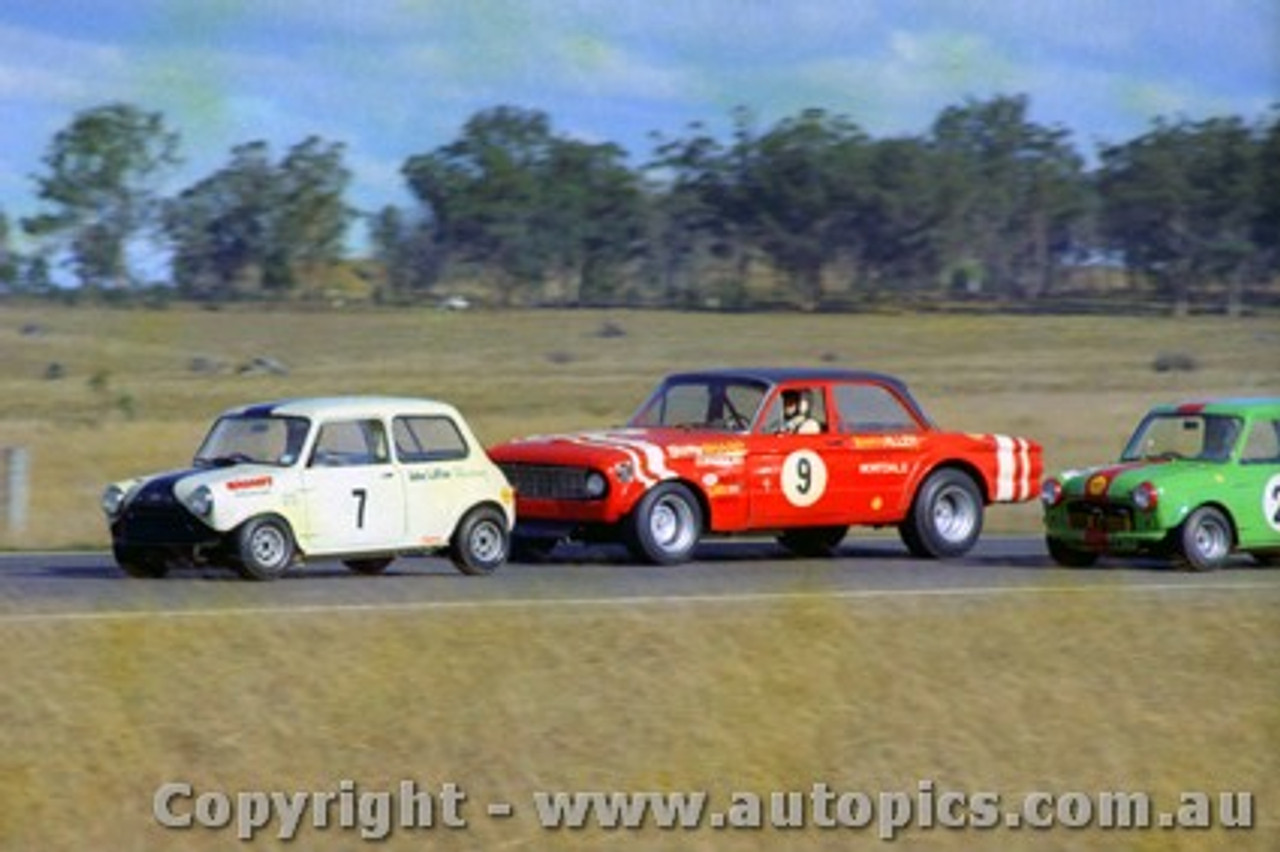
point(665, 525)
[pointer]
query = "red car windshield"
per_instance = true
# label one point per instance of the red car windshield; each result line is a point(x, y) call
point(730, 405)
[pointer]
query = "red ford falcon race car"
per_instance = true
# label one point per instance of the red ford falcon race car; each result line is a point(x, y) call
point(802, 453)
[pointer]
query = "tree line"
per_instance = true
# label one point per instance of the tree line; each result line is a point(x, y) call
point(987, 203)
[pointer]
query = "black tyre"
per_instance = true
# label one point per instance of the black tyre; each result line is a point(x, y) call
point(481, 543)
point(369, 567)
point(945, 518)
point(665, 525)
point(1068, 556)
point(535, 550)
point(813, 541)
point(264, 548)
point(140, 562)
point(1204, 540)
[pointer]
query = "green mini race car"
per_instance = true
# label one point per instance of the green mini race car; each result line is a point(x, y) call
point(1197, 482)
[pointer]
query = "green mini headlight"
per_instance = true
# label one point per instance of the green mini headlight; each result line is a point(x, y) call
point(1051, 493)
point(1146, 497)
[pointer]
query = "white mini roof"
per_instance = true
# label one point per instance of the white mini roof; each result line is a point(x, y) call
point(344, 406)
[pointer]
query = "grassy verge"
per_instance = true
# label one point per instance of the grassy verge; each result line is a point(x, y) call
point(1091, 691)
point(136, 389)
point(1138, 691)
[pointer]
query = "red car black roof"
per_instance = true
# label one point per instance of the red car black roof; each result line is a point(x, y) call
point(779, 375)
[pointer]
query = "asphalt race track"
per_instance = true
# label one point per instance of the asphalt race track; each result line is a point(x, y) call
point(88, 586)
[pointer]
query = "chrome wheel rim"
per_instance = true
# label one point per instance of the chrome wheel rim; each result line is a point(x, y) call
point(671, 524)
point(268, 546)
point(486, 541)
point(1211, 539)
point(955, 515)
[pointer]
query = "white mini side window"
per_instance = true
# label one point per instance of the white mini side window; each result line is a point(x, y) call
point(349, 443)
point(424, 439)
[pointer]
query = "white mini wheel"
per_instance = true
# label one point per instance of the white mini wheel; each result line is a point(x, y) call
point(480, 543)
point(264, 548)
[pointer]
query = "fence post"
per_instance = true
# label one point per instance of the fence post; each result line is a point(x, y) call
point(15, 488)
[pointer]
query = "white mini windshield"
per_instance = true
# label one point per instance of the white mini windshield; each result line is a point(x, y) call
point(254, 440)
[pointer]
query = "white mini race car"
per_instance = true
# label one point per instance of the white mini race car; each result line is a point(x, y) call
point(361, 479)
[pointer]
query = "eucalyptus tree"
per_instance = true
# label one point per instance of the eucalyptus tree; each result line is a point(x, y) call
point(100, 188)
point(696, 219)
point(482, 192)
point(593, 208)
point(801, 195)
point(219, 227)
point(404, 246)
point(791, 193)
point(1181, 204)
point(512, 197)
point(310, 217)
point(1266, 230)
point(256, 225)
point(1015, 193)
point(902, 218)
point(8, 258)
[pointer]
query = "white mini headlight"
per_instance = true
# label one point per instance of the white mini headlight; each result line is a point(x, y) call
point(200, 502)
point(113, 500)
point(596, 484)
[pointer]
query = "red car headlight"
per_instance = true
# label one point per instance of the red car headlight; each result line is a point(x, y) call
point(1051, 492)
point(596, 485)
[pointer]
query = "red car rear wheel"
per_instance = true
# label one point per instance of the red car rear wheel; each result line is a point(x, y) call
point(946, 516)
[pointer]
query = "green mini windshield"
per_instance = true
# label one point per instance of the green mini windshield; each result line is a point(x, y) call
point(1203, 437)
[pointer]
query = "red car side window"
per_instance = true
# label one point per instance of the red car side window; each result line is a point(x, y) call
point(871, 408)
point(799, 410)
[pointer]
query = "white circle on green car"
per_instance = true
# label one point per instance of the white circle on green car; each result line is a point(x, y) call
point(1271, 502)
point(804, 478)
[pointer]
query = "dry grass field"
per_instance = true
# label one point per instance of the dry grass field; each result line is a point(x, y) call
point(1110, 691)
point(129, 399)
point(1094, 690)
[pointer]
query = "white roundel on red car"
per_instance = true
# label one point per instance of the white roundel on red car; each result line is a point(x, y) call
point(804, 478)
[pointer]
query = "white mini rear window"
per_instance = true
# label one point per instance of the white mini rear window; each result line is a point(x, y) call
point(425, 439)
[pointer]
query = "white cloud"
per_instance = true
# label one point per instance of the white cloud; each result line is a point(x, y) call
point(48, 70)
point(28, 83)
point(606, 70)
point(392, 78)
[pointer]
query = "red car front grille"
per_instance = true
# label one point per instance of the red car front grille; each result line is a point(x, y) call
point(547, 482)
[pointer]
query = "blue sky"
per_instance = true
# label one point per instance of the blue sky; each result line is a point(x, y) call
point(394, 78)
